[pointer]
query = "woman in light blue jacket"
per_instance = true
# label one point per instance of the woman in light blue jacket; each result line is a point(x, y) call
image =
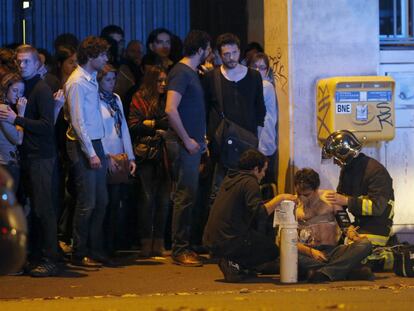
point(116, 140)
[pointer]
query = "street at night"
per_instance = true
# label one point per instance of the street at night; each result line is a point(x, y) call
point(157, 284)
point(179, 154)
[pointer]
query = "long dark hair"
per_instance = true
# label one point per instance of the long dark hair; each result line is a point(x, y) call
point(63, 53)
point(149, 89)
point(8, 80)
point(151, 58)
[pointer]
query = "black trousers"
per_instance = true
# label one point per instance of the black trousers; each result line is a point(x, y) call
point(155, 194)
point(42, 187)
point(249, 250)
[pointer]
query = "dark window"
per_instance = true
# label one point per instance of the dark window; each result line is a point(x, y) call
point(396, 26)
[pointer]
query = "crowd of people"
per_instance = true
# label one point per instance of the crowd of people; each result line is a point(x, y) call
point(99, 132)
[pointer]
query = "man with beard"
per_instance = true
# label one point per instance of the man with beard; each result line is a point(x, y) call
point(186, 114)
point(241, 98)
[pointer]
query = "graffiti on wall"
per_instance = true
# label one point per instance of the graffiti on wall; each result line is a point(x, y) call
point(279, 72)
point(384, 114)
point(323, 108)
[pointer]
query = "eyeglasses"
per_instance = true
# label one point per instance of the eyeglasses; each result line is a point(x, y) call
point(261, 68)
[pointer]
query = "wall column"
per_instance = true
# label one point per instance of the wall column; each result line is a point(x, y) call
point(308, 40)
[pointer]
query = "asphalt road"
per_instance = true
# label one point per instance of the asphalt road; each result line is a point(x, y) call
point(157, 284)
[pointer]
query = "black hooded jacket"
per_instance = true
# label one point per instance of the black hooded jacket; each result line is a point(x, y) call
point(237, 205)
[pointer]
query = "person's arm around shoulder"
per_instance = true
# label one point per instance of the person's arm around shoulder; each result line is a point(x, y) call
point(43, 99)
point(271, 205)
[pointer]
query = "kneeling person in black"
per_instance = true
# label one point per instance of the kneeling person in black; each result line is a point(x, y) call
point(230, 234)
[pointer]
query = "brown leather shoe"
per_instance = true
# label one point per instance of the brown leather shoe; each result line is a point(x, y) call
point(187, 259)
point(85, 262)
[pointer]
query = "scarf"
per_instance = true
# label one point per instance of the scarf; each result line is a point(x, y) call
point(112, 105)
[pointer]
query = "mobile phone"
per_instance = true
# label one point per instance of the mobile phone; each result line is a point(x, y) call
point(343, 220)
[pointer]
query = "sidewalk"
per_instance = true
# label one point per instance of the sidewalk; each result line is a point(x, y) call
point(157, 284)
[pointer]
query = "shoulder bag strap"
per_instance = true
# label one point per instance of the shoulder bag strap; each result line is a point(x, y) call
point(219, 92)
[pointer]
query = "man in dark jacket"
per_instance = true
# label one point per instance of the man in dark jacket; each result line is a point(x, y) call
point(365, 187)
point(236, 92)
point(38, 156)
point(230, 234)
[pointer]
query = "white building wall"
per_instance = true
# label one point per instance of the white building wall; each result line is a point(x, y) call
point(329, 38)
point(320, 39)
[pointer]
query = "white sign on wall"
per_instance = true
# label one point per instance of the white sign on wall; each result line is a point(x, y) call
point(343, 108)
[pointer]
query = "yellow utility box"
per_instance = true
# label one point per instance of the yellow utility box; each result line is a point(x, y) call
point(361, 104)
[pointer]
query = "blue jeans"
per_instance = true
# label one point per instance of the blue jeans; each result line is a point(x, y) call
point(218, 176)
point(91, 200)
point(341, 259)
point(185, 172)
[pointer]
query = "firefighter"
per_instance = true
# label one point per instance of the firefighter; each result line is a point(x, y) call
point(364, 189)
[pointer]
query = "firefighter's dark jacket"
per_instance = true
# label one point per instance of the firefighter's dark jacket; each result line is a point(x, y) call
point(369, 186)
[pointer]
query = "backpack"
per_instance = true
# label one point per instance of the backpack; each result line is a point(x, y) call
point(404, 260)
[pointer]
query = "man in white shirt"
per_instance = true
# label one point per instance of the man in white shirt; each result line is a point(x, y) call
point(86, 153)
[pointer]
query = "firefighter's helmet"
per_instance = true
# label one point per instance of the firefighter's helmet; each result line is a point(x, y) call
point(343, 146)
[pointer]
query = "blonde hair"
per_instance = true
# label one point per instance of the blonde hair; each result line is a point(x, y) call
point(26, 48)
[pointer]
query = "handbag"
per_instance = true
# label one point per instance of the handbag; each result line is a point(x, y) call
point(232, 139)
point(403, 260)
point(120, 174)
point(149, 148)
